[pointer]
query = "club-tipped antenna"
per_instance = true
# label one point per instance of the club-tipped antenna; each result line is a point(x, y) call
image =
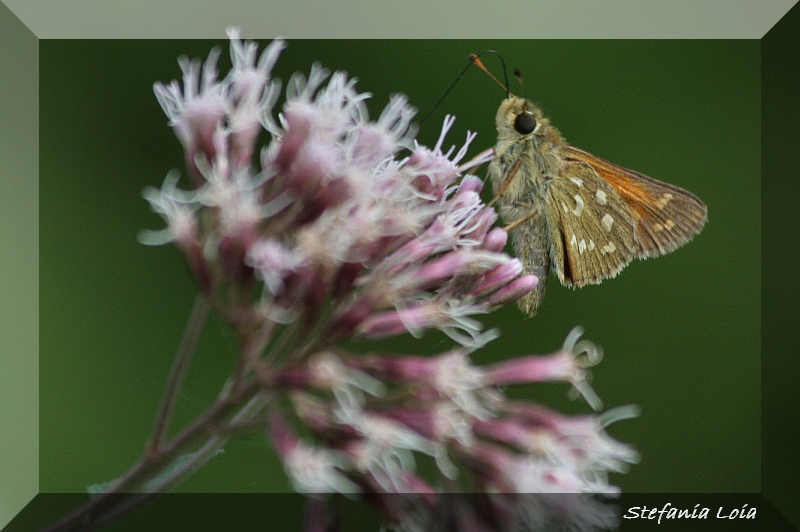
point(518, 75)
point(474, 59)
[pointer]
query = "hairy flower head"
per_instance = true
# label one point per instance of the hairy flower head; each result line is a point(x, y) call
point(346, 229)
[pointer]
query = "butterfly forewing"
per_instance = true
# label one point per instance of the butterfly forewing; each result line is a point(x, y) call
point(667, 216)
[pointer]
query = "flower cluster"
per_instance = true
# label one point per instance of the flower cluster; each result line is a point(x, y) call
point(348, 230)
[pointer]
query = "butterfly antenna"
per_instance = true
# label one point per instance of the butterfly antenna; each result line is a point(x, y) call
point(518, 75)
point(474, 59)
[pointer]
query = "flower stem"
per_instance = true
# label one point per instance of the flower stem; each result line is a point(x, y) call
point(191, 334)
point(147, 477)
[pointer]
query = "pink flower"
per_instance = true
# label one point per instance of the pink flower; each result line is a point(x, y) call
point(350, 231)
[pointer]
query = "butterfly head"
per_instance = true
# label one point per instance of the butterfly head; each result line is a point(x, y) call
point(518, 118)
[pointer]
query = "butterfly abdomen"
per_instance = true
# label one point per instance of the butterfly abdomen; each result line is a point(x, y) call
point(531, 244)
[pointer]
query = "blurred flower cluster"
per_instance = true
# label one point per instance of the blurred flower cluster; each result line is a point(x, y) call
point(345, 231)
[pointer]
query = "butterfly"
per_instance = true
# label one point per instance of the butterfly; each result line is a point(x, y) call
point(573, 212)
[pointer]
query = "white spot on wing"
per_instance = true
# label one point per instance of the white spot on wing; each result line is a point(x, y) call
point(608, 248)
point(663, 200)
point(577, 180)
point(607, 222)
point(579, 205)
point(601, 197)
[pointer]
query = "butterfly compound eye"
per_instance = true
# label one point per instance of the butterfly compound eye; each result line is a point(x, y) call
point(524, 123)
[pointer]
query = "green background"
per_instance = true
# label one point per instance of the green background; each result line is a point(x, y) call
point(681, 333)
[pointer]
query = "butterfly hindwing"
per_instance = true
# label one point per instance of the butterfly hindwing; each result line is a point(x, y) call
point(592, 232)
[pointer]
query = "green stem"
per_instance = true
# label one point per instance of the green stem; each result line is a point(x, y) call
point(191, 335)
point(121, 498)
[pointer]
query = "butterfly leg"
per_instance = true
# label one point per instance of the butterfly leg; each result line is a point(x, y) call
point(509, 178)
point(532, 211)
